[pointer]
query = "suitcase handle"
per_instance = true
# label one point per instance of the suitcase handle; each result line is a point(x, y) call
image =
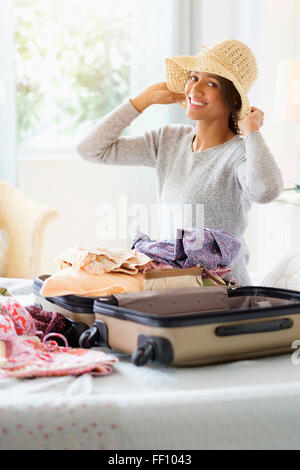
point(249, 328)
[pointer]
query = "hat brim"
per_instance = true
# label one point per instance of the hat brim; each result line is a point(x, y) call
point(178, 70)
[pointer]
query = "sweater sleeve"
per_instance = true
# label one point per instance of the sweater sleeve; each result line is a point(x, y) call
point(104, 143)
point(258, 172)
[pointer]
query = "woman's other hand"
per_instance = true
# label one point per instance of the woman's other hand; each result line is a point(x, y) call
point(156, 94)
point(252, 122)
point(160, 94)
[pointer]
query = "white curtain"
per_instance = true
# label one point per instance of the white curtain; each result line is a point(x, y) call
point(8, 163)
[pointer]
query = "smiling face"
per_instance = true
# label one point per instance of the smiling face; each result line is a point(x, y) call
point(204, 98)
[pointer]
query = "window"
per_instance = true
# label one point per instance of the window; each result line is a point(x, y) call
point(72, 65)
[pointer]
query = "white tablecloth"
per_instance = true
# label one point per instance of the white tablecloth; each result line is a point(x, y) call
point(251, 404)
point(243, 405)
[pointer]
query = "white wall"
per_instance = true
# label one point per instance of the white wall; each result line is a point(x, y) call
point(76, 189)
point(282, 22)
point(281, 40)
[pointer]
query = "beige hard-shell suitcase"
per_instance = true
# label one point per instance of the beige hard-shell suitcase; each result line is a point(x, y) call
point(196, 326)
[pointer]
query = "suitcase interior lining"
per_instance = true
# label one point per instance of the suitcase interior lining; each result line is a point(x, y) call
point(259, 301)
point(234, 303)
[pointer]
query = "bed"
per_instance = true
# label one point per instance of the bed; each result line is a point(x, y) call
point(253, 404)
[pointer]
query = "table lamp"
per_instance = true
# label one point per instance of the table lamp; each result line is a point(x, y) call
point(287, 101)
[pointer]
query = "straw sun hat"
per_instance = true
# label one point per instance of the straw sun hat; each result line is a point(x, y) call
point(230, 59)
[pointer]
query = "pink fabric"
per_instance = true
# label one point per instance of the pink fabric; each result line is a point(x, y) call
point(155, 265)
point(26, 356)
point(31, 358)
point(218, 271)
point(15, 320)
point(7, 328)
point(23, 321)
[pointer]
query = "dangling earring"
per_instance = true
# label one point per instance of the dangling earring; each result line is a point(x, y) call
point(235, 122)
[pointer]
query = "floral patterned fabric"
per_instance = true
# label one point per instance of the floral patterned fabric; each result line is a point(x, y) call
point(14, 319)
point(192, 247)
point(23, 354)
point(34, 359)
point(102, 260)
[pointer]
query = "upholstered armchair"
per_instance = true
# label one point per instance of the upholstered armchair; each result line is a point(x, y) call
point(23, 221)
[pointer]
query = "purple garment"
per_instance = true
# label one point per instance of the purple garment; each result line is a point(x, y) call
point(192, 247)
point(47, 322)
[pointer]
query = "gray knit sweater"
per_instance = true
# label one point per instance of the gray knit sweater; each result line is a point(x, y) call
point(219, 183)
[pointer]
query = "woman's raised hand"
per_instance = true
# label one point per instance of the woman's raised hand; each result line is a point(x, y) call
point(252, 122)
point(160, 94)
point(156, 94)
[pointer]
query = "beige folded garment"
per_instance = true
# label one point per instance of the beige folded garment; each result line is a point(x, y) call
point(176, 278)
point(172, 278)
point(102, 260)
point(70, 281)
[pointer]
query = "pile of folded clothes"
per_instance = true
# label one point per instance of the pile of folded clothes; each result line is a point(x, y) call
point(92, 272)
point(95, 271)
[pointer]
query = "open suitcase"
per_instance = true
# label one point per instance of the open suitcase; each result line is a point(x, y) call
point(196, 326)
point(77, 310)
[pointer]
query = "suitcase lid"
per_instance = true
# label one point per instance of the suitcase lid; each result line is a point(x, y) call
point(207, 317)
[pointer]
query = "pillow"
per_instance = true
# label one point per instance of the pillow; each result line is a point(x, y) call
point(286, 273)
point(70, 281)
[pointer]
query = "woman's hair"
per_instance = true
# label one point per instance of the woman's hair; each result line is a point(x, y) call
point(232, 99)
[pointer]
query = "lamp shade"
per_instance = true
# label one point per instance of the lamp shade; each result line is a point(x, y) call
point(287, 95)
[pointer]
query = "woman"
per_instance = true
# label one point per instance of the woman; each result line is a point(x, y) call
point(210, 165)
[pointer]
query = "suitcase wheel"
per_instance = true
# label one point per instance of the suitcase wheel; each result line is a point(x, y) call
point(74, 333)
point(143, 354)
point(96, 336)
point(152, 348)
point(89, 338)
